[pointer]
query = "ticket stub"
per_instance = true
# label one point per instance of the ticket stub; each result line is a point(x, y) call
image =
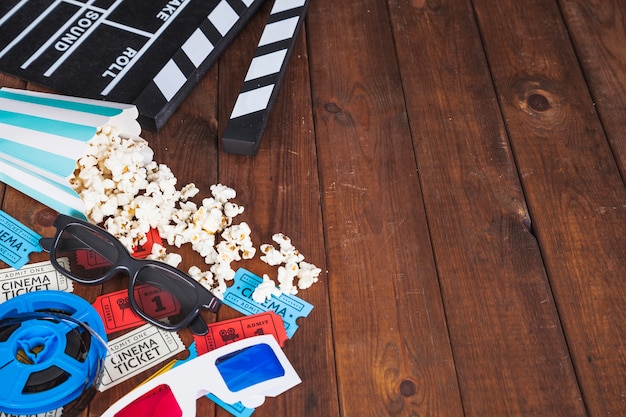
point(224, 332)
point(141, 252)
point(16, 241)
point(287, 306)
point(33, 277)
point(116, 312)
point(237, 409)
point(137, 351)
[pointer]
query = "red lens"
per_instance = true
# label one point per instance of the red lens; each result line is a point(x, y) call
point(159, 402)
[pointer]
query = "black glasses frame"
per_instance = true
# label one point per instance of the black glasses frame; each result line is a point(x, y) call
point(124, 262)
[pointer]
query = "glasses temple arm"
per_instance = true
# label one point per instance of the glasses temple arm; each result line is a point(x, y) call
point(198, 326)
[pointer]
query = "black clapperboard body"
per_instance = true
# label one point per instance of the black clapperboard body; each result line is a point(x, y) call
point(150, 53)
point(147, 52)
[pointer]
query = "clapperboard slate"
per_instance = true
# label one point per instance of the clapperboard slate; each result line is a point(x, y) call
point(147, 52)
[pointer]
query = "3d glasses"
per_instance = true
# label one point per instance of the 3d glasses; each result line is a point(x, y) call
point(245, 371)
point(159, 293)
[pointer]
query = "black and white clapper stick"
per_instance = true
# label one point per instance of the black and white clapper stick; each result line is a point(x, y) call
point(247, 122)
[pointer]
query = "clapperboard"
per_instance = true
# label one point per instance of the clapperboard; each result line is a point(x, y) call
point(150, 53)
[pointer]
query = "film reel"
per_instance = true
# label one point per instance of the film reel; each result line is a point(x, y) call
point(52, 350)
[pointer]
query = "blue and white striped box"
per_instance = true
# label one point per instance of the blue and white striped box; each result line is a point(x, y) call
point(43, 135)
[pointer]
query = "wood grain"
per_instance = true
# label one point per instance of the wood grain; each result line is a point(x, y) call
point(498, 301)
point(392, 351)
point(455, 168)
point(598, 31)
point(279, 189)
point(574, 190)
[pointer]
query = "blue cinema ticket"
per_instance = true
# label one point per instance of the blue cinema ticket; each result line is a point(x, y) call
point(287, 306)
point(16, 241)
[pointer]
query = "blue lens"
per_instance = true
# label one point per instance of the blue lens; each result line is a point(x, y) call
point(250, 366)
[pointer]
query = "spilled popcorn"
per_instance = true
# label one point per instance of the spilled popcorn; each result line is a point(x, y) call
point(292, 265)
point(129, 193)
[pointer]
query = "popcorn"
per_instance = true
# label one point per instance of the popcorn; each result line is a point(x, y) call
point(222, 193)
point(231, 210)
point(292, 265)
point(286, 274)
point(222, 272)
point(265, 290)
point(284, 242)
point(203, 277)
point(272, 256)
point(307, 275)
point(239, 235)
point(129, 193)
point(188, 191)
point(159, 253)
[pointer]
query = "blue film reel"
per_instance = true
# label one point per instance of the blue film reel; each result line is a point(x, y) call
point(52, 348)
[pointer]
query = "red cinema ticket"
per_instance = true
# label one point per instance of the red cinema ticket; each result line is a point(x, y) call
point(141, 252)
point(224, 332)
point(117, 314)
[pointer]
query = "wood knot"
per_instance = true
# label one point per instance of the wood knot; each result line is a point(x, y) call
point(332, 107)
point(213, 126)
point(407, 388)
point(538, 98)
point(538, 102)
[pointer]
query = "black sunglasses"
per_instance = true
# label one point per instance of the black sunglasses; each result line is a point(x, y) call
point(158, 292)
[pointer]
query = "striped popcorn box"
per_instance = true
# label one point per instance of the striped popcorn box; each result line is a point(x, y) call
point(244, 130)
point(42, 136)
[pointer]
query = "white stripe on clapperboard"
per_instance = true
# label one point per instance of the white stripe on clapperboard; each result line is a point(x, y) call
point(12, 11)
point(60, 32)
point(29, 28)
point(268, 64)
point(143, 50)
point(35, 23)
point(197, 48)
point(101, 20)
point(265, 64)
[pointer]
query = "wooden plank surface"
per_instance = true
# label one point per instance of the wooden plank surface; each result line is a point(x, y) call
point(573, 188)
point(280, 189)
point(509, 351)
point(391, 345)
point(454, 169)
point(598, 31)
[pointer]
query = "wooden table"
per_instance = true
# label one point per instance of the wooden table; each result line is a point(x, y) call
point(456, 168)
